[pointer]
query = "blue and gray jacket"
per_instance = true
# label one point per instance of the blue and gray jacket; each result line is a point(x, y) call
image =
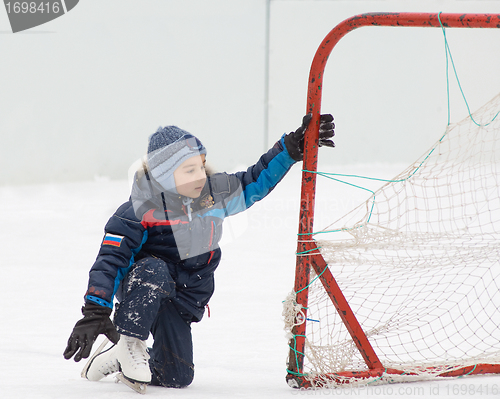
point(184, 234)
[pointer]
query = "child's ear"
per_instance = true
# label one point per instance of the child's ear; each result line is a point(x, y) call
point(209, 169)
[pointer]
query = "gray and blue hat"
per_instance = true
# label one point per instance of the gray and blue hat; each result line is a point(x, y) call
point(168, 148)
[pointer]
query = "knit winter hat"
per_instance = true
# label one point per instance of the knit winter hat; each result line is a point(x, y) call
point(168, 148)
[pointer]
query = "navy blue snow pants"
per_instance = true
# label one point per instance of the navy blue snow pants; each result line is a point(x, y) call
point(146, 306)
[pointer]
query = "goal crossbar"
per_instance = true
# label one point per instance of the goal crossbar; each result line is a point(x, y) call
point(308, 256)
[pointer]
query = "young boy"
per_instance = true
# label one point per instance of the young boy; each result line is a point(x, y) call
point(160, 251)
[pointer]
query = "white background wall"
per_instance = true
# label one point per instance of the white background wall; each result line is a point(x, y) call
point(80, 95)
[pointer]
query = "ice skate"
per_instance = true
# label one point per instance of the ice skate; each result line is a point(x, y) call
point(133, 359)
point(101, 364)
point(139, 387)
point(129, 357)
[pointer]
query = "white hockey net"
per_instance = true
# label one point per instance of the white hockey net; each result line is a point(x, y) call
point(419, 264)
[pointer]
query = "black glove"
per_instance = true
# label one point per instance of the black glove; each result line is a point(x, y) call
point(294, 141)
point(95, 321)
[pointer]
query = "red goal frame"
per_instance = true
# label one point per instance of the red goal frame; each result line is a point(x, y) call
point(308, 255)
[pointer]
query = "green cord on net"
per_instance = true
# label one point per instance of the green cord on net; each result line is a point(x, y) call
point(448, 52)
point(298, 373)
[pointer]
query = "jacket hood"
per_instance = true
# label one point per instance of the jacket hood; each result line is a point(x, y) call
point(145, 193)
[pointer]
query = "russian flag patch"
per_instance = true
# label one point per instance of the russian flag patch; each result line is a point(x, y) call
point(112, 239)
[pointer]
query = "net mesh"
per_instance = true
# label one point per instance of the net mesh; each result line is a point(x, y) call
point(418, 263)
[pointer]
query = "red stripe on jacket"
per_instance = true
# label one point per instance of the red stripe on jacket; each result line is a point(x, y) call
point(148, 220)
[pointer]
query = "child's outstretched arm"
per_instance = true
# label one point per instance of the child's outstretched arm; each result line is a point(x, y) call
point(261, 178)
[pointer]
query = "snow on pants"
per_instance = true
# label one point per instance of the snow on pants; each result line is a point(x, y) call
point(146, 306)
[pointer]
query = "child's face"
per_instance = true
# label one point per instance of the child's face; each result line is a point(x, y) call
point(190, 176)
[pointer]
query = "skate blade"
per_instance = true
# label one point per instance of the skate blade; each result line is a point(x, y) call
point(139, 387)
point(89, 362)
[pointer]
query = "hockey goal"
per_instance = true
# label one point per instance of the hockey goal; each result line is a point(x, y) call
point(409, 286)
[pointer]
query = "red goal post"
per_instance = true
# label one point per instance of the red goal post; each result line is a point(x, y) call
point(308, 255)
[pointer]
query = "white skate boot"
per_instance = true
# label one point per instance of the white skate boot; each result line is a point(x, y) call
point(133, 358)
point(102, 363)
point(129, 356)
